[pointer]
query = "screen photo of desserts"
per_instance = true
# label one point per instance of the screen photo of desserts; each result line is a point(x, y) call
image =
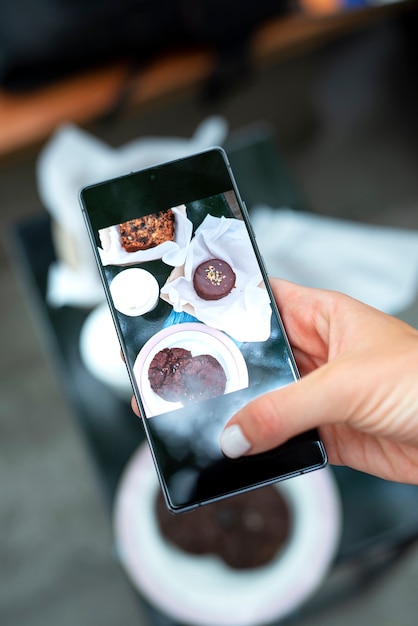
point(199, 323)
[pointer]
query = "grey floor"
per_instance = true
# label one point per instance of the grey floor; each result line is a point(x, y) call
point(346, 123)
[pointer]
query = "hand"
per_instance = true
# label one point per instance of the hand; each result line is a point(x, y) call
point(359, 386)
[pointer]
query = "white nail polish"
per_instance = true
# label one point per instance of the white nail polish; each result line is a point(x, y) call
point(233, 442)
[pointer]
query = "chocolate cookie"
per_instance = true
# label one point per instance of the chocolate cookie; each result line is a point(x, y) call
point(245, 531)
point(200, 378)
point(162, 372)
point(175, 375)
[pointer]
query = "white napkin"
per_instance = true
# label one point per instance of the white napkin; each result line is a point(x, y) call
point(375, 264)
point(245, 312)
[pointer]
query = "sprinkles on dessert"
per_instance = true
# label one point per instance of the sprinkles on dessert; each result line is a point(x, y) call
point(213, 279)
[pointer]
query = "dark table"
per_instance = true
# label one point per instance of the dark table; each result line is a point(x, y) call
point(380, 518)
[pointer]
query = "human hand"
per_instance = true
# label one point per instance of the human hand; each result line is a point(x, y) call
point(359, 386)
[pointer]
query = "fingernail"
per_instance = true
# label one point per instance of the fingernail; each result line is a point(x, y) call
point(233, 443)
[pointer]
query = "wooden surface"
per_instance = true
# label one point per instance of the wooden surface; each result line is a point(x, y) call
point(29, 118)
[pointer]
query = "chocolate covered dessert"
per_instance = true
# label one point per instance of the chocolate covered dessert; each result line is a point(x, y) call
point(245, 531)
point(177, 376)
point(147, 232)
point(214, 279)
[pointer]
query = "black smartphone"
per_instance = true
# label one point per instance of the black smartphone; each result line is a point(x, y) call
point(197, 322)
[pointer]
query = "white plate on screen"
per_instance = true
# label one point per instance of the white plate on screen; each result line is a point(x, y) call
point(199, 339)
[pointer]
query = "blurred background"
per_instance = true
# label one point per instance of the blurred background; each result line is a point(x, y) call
point(332, 88)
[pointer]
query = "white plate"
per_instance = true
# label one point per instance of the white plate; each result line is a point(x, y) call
point(199, 339)
point(202, 590)
point(100, 351)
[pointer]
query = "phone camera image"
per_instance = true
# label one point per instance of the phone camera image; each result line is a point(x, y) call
point(215, 314)
point(197, 322)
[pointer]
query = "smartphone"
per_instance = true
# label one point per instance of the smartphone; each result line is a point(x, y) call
point(197, 322)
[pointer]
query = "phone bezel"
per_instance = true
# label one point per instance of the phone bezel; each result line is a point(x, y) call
point(153, 175)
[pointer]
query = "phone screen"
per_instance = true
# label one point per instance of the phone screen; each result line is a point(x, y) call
point(197, 323)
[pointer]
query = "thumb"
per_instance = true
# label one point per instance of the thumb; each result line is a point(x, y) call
point(275, 417)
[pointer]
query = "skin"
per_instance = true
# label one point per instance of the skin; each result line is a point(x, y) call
point(359, 385)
